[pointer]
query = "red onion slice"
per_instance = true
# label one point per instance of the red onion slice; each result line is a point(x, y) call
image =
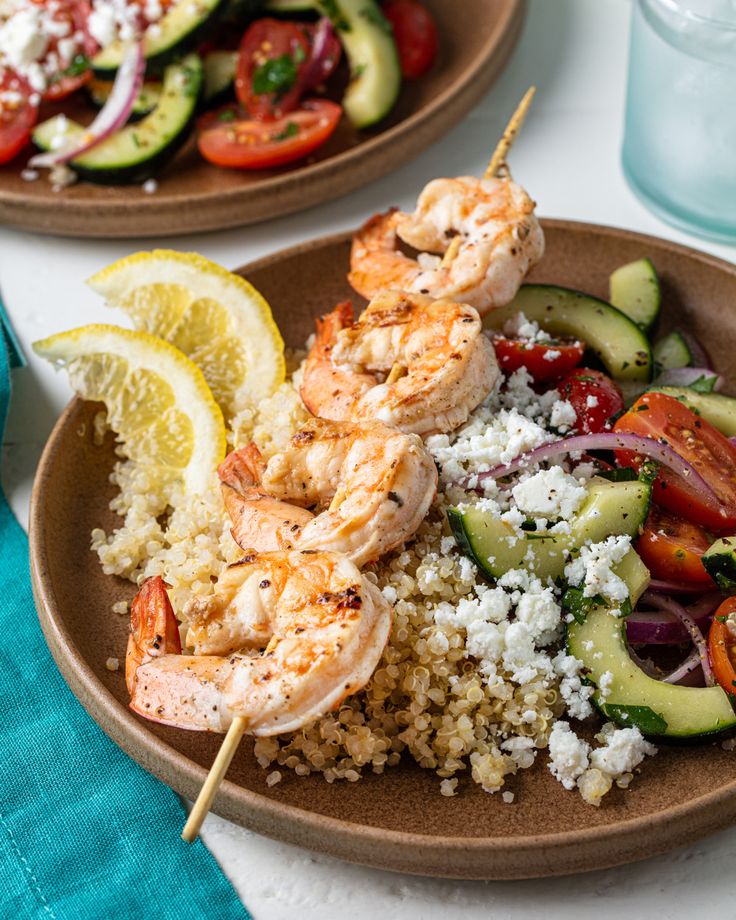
point(671, 606)
point(323, 42)
point(659, 627)
point(688, 666)
point(699, 355)
point(670, 587)
point(607, 440)
point(113, 115)
point(686, 376)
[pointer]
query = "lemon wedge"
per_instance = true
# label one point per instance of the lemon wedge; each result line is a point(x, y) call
point(157, 400)
point(215, 317)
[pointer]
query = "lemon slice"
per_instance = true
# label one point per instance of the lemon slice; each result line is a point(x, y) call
point(216, 318)
point(157, 400)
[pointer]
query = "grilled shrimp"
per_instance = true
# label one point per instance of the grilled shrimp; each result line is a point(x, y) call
point(449, 366)
point(377, 482)
point(321, 625)
point(500, 240)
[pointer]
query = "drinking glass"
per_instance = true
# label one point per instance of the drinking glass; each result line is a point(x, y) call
point(679, 152)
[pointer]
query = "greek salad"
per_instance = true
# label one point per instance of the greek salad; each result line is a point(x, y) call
point(628, 507)
point(262, 83)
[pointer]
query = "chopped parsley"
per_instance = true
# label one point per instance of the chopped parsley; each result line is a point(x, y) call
point(704, 384)
point(335, 14)
point(226, 115)
point(78, 66)
point(291, 130)
point(275, 76)
point(372, 14)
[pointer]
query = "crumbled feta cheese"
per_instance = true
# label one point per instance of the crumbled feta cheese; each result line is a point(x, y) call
point(150, 186)
point(552, 492)
point(563, 415)
point(593, 568)
point(604, 684)
point(520, 327)
point(508, 797)
point(573, 691)
point(591, 401)
point(625, 748)
point(552, 354)
point(568, 754)
point(112, 664)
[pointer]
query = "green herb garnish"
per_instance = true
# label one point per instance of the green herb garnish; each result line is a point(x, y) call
point(643, 717)
point(291, 130)
point(275, 76)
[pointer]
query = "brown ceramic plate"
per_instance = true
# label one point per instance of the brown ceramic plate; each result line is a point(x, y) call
point(398, 820)
point(476, 42)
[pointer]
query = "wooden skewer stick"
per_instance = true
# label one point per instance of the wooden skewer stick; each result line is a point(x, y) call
point(451, 251)
point(218, 770)
point(396, 371)
point(497, 163)
point(337, 499)
point(214, 778)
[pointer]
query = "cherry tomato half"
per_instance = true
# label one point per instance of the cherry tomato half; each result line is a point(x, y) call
point(271, 65)
point(416, 36)
point(672, 549)
point(546, 361)
point(17, 114)
point(722, 646)
point(253, 144)
point(595, 398)
point(657, 415)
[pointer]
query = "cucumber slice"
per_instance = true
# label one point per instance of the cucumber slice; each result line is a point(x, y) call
point(635, 291)
point(616, 340)
point(178, 31)
point(135, 152)
point(672, 351)
point(720, 563)
point(290, 6)
point(633, 698)
point(715, 408)
point(610, 508)
point(368, 40)
point(219, 75)
point(146, 101)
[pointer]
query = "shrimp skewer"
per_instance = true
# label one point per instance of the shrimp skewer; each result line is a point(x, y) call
point(446, 367)
point(324, 628)
point(377, 482)
point(486, 227)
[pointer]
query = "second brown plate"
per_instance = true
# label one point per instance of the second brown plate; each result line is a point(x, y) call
point(192, 196)
point(397, 820)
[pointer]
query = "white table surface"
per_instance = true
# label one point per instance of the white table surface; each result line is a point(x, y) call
point(568, 158)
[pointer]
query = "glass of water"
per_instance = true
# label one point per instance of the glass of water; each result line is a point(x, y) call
point(679, 152)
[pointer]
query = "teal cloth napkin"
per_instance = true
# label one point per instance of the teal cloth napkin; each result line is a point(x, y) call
point(84, 831)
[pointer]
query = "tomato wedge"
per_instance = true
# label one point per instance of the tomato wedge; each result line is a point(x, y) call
point(18, 114)
point(657, 415)
point(672, 549)
point(416, 36)
point(544, 361)
point(272, 61)
point(595, 398)
point(722, 646)
point(253, 144)
point(72, 66)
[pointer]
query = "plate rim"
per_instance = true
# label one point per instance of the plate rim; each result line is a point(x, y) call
point(355, 166)
point(495, 857)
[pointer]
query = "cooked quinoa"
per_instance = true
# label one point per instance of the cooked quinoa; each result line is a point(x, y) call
point(474, 680)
